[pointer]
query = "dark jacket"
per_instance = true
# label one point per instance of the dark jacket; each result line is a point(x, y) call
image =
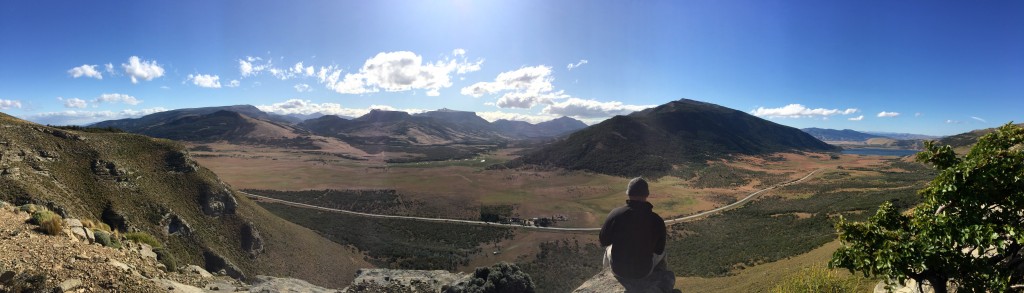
point(636, 234)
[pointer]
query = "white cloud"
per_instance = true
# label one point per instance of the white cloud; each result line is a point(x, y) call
point(117, 98)
point(234, 83)
point(300, 70)
point(858, 118)
point(298, 106)
point(252, 66)
point(498, 115)
point(138, 69)
point(303, 88)
point(73, 117)
point(73, 102)
point(888, 114)
point(85, 70)
point(581, 108)
point(950, 121)
point(578, 64)
point(205, 80)
point(918, 114)
point(979, 119)
point(110, 68)
point(799, 111)
point(398, 71)
point(523, 88)
point(7, 104)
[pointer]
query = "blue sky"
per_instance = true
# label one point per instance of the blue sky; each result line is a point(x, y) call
point(928, 67)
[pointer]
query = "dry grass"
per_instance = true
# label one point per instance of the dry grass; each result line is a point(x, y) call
point(764, 277)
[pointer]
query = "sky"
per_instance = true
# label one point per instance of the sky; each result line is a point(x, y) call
point(924, 67)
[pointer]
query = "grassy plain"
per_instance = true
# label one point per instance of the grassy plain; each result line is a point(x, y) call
point(585, 198)
point(728, 252)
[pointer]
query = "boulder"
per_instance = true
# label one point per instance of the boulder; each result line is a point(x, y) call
point(272, 284)
point(219, 265)
point(252, 242)
point(145, 250)
point(602, 282)
point(194, 269)
point(175, 225)
point(80, 231)
point(68, 285)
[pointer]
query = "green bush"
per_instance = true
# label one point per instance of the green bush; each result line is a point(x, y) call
point(143, 237)
point(165, 257)
point(40, 216)
point(104, 238)
point(818, 280)
point(501, 277)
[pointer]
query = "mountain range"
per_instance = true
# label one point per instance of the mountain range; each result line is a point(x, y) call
point(839, 135)
point(652, 141)
point(247, 124)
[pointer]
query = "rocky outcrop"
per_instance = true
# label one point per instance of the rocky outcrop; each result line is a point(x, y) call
point(218, 201)
point(31, 261)
point(252, 242)
point(219, 265)
point(180, 162)
point(115, 219)
point(387, 280)
point(272, 284)
point(175, 225)
point(603, 282)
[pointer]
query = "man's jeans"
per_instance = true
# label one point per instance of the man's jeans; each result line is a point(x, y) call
point(658, 280)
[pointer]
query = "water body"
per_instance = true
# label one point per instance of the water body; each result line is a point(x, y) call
point(879, 152)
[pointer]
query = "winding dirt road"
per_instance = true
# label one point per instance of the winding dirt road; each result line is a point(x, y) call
point(481, 223)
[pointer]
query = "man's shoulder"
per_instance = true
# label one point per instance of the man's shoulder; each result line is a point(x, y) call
point(618, 211)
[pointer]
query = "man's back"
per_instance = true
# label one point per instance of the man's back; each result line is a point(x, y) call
point(636, 234)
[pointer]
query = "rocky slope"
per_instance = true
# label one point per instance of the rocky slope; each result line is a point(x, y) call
point(73, 261)
point(137, 183)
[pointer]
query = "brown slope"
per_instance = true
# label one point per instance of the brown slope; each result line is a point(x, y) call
point(154, 186)
point(651, 142)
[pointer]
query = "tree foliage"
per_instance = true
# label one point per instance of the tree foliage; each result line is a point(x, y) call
point(966, 232)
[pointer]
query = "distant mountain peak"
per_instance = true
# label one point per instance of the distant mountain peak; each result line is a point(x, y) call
point(378, 115)
point(652, 141)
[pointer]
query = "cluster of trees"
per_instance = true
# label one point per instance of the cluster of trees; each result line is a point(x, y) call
point(968, 231)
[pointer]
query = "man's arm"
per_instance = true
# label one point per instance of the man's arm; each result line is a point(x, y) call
point(659, 241)
point(606, 230)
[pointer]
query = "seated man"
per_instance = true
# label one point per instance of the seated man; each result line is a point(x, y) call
point(635, 237)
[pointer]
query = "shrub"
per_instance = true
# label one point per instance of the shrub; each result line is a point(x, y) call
point(104, 238)
point(96, 225)
point(817, 279)
point(502, 277)
point(40, 216)
point(143, 237)
point(53, 226)
point(165, 257)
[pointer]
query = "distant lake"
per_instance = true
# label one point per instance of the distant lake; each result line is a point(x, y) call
point(878, 152)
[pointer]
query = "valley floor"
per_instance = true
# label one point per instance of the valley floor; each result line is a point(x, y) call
point(748, 248)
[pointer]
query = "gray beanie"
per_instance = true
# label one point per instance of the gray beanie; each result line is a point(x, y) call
point(637, 187)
